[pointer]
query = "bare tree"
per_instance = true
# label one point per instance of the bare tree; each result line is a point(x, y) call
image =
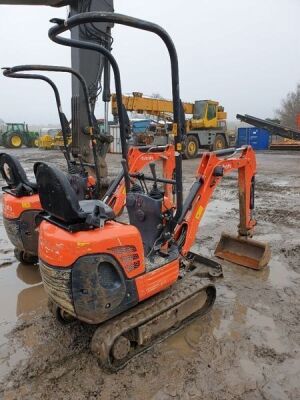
point(290, 107)
point(157, 96)
point(275, 120)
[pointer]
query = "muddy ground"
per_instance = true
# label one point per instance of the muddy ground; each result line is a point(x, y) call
point(247, 348)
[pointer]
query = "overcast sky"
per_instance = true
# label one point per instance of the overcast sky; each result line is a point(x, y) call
point(245, 54)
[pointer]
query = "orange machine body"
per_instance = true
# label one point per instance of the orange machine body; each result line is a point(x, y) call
point(19, 215)
point(13, 206)
point(105, 270)
point(62, 250)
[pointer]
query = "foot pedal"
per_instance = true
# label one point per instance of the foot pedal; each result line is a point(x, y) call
point(203, 266)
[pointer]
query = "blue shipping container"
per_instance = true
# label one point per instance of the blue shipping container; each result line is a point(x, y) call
point(258, 138)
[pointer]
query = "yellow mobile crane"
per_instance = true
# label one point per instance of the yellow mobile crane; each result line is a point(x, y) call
point(206, 128)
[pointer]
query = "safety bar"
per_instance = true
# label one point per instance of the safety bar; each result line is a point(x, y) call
point(153, 149)
point(62, 27)
point(14, 72)
point(140, 175)
point(55, 68)
point(93, 17)
point(227, 152)
point(63, 120)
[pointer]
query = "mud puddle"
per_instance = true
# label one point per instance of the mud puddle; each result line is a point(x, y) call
point(21, 296)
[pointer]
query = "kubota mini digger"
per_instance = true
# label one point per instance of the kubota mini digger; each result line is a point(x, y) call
point(139, 281)
point(21, 202)
point(138, 157)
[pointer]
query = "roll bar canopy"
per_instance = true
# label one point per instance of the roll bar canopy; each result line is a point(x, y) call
point(93, 17)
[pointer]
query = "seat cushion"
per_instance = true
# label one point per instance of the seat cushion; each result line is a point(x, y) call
point(88, 206)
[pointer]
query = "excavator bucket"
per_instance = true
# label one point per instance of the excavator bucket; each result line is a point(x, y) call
point(246, 252)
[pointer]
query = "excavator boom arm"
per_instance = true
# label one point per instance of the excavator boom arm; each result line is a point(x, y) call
point(209, 174)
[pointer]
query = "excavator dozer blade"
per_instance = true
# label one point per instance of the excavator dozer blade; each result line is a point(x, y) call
point(246, 252)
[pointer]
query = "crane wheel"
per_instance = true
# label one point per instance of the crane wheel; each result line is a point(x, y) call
point(191, 147)
point(219, 143)
point(14, 140)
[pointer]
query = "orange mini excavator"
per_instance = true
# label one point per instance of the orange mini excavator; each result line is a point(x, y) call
point(139, 281)
point(21, 203)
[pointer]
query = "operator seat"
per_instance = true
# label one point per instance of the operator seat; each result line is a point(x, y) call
point(61, 203)
point(15, 176)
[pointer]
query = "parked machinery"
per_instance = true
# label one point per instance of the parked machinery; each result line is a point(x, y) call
point(139, 281)
point(206, 128)
point(95, 71)
point(16, 135)
point(21, 203)
point(291, 136)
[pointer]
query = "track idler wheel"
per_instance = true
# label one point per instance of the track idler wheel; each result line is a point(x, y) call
point(61, 316)
point(25, 258)
point(121, 348)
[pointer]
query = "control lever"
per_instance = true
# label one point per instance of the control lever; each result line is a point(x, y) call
point(155, 193)
point(67, 157)
point(126, 175)
point(83, 171)
point(153, 172)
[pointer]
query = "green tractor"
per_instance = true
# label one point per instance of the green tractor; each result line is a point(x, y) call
point(15, 135)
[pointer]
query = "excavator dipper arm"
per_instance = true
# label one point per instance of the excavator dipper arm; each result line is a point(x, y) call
point(209, 174)
point(213, 166)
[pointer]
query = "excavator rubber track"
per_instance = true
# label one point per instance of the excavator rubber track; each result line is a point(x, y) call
point(119, 340)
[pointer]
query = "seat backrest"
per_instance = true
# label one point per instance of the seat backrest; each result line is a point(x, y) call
point(15, 176)
point(57, 196)
point(145, 214)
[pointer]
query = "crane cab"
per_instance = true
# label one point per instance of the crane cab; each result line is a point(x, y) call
point(207, 114)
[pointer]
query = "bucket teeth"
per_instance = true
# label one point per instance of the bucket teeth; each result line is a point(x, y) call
point(242, 251)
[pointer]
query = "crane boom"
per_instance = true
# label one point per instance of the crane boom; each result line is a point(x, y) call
point(205, 127)
point(150, 105)
point(205, 113)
